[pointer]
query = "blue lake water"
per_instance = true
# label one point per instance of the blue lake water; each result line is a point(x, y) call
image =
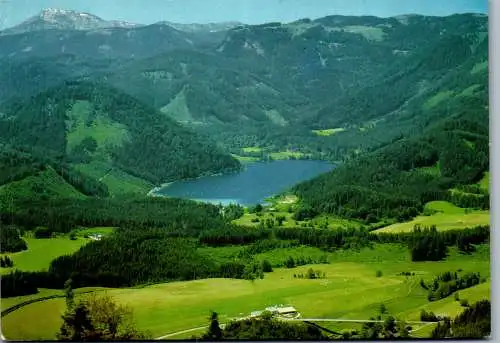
point(251, 186)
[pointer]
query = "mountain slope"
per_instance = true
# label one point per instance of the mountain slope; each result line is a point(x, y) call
point(368, 79)
point(395, 181)
point(60, 19)
point(84, 122)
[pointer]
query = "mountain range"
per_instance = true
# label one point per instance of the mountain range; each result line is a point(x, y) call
point(331, 88)
point(63, 19)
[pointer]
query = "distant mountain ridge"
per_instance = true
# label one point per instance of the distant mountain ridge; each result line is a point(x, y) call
point(55, 32)
point(274, 85)
point(61, 19)
point(87, 123)
point(210, 27)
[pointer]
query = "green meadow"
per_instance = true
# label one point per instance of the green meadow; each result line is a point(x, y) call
point(251, 149)
point(328, 132)
point(42, 251)
point(117, 181)
point(484, 183)
point(351, 290)
point(446, 217)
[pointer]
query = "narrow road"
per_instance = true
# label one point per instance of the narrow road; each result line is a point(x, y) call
point(423, 326)
point(186, 331)
point(181, 332)
point(299, 320)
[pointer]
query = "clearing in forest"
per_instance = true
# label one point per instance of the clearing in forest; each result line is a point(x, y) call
point(447, 217)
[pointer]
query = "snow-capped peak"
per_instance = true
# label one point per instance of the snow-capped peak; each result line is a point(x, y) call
point(63, 19)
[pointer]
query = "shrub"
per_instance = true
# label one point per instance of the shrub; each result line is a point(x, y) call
point(290, 262)
point(378, 273)
point(266, 266)
point(43, 232)
point(428, 316)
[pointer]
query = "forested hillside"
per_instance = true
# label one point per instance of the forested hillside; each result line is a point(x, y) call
point(395, 181)
point(370, 79)
point(85, 122)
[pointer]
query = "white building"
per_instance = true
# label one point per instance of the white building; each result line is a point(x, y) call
point(278, 310)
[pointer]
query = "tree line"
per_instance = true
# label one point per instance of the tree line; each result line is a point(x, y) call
point(133, 256)
point(10, 237)
point(396, 180)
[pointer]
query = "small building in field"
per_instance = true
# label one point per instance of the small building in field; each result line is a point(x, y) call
point(95, 237)
point(278, 311)
point(283, 311)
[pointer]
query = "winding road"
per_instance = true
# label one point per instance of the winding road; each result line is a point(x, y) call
point(340, 320)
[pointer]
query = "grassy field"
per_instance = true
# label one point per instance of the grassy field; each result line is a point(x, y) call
point(285, 155)
point(469, 91)
point(117, 181)
point(322, 221)
point(42, 251)
point(83, 124)
point(478, 67)
point(283, 206)
point(246, 159)
point(328, 132)
point(275, 155)
point(484, 183)
point(104, 231)
point(447, 217)
point(436, 99)
point(251, 149)
point(178, 108)
point(42, 292)
point(351, 290)
point(369, 32)
point(48, 180)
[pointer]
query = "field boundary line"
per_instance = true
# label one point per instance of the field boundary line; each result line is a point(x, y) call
point(32, 301)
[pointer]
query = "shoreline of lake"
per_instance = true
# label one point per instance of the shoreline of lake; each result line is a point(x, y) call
point(256, 183)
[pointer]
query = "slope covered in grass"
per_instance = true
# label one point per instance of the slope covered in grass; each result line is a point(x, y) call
point(351, 290)
point(445, 216)
point(89, 121)
point(42, 251)
point(394, 182)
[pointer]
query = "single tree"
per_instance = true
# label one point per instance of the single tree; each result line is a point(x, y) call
point(214, 332)
point(98, 319)
point(69, 294)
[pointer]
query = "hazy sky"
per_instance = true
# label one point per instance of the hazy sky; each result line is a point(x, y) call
point(13, 12)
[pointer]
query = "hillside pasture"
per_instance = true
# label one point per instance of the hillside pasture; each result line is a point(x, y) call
point(117, 181)
point(446, 217)
point(351, 290)
point(42, 251)
point(484, 183)
point(328, 132)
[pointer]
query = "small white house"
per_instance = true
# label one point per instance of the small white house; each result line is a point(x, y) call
point(95, 237)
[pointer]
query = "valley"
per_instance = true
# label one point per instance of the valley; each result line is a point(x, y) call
point(186, 175)
point(259, 180)
point(167, 308)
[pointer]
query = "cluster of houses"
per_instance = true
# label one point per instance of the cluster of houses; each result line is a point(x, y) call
point(281, 311)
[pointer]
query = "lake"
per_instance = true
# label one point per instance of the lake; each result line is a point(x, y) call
point(251, 186)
